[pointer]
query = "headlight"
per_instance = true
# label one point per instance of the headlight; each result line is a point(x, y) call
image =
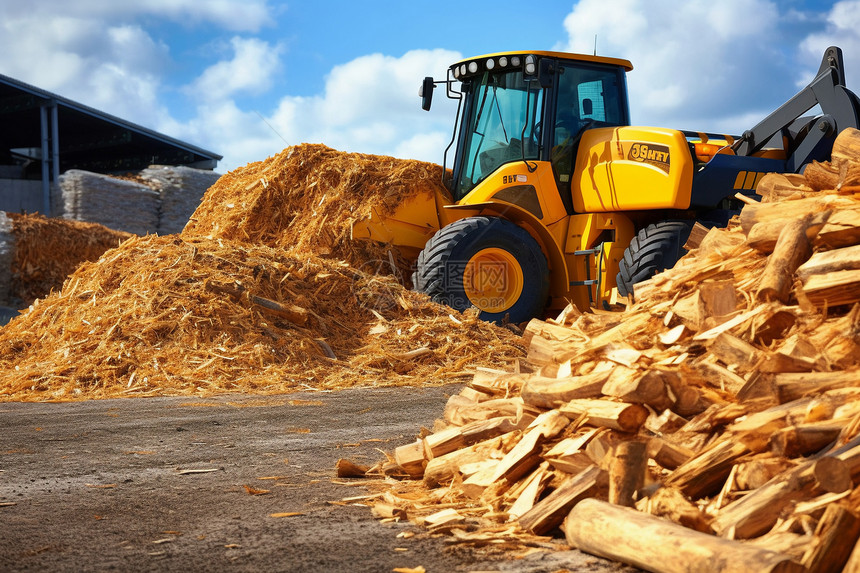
point(491, 63)
point(531, 65)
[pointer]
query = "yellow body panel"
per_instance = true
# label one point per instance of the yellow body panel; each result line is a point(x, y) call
point(514, 183)
point(632, 168)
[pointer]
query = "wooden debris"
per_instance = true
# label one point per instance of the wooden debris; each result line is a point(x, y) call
point(724, 404)
point(655, 544)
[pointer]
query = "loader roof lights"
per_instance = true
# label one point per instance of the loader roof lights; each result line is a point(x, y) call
point(527, 61)
point(462, 70)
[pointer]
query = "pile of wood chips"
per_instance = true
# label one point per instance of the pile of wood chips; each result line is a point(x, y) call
point(253, 296)
point(170, 316)
point(306, 199)
point(712, 426)
point(46, 251)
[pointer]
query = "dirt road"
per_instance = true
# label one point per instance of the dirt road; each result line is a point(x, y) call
point(234, 483)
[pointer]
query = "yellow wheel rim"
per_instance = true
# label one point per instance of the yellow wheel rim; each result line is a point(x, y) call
point(493, 280)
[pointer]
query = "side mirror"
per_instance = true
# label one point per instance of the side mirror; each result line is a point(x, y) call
point(426, 93)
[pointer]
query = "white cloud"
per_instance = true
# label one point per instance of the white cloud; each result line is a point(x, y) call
point(368, 105)
point(696, 64)
point(236, 15)
point(843, 21)
point(249, 71)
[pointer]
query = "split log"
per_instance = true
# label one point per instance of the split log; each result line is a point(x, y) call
point(550, 512)
point(841, 230)
point(671, 504)
point(627, 472)
point(846, 146)
point(787, 211)
point(820, 176)
point(443, 469)
point(805, 439)
point(525, 456)
point(634, 387)
point(553, 392)
point(795, 385)
point(668, 455)
point(705, 473)
point(775, 187)
point(833, 289)
point(763, 236)
point(454, 438)
point(758, 511)
point(656, 544)
point(346, 469)
point(845, 259)
point(835, 537)
point(731, 350)
point(792, 249)
point(411, 458)
point(607, 414)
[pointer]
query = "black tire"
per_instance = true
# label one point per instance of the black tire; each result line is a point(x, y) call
point(655, 248)
point(442, 264)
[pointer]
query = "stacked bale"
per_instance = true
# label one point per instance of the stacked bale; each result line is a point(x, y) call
point(116, 203)
point(180, 190)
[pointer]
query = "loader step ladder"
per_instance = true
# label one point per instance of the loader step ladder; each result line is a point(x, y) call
point(589, 282)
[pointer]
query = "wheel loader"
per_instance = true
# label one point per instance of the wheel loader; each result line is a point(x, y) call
point(553, 197)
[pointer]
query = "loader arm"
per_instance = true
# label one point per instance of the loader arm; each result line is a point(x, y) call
point(805, 136)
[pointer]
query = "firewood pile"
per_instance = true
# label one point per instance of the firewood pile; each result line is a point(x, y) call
point(712, 426)
point(43, 252)
point(216, 309)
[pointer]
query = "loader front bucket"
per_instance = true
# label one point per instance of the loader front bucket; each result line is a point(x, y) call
point(408, 225)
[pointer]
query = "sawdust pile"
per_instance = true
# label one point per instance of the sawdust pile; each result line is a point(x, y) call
point(176, 316)
point(306, 198)
point(46, 251)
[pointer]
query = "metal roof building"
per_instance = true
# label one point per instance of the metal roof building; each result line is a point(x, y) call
point(37, 125)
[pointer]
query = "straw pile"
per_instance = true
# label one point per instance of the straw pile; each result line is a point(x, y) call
point(714, 425)
point(44, 252)
point(241, 300)
point(306, 199)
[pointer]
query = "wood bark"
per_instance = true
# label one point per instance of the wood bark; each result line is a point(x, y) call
point(791, 250)
point(627, 472)
point(656, 544)
point(550, 512)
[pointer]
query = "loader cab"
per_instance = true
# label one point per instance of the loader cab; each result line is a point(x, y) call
point(528, 107)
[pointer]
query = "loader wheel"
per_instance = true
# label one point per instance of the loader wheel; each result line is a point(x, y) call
point(488, 263)
point(655, 248)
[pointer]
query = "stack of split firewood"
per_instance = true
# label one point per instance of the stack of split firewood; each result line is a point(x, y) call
point(712, 426)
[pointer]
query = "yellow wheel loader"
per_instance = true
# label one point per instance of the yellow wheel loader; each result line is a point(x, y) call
point(555, 198)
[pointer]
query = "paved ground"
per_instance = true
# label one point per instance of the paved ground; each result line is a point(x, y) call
point(105, 485)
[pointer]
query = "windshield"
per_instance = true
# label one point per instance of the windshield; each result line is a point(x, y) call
point(499, 126)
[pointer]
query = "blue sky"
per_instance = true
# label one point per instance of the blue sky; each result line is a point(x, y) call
point(246, 78)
